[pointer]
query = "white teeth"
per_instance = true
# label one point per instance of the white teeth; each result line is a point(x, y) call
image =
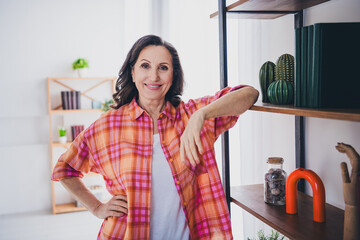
point(153, 86)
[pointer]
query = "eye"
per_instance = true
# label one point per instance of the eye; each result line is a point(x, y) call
point(163, 68)
point(145, 65)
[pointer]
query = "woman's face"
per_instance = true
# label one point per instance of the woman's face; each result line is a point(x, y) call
point(153, 73)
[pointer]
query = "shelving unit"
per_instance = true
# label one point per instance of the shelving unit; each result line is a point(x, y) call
point(251, 198)
point(55, 110)
point(338, 114)
point(265, 9)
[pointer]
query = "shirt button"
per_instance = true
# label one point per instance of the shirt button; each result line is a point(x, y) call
point(171, 160)
point(163, 142)
point(177, 182)
point(185, 203)
point(161, 115)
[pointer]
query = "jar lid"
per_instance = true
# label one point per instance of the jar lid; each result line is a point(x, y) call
point(275, 160)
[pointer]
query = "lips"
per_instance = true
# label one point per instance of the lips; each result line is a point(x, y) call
point(153, 86)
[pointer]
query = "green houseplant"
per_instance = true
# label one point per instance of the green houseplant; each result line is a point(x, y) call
point(62, 135)
point(80, 65)
point(273, 236)
point(106, 106)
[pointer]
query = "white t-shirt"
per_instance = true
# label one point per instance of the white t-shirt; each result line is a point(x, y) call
point(167, 218)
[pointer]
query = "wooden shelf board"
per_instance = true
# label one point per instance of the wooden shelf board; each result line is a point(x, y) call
point(66, 208)
point(339, 114)
point(74, 111)
point(58, 144)
point(297, 226)
point(268, 5)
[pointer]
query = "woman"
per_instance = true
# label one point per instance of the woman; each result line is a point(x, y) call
point(156, 153)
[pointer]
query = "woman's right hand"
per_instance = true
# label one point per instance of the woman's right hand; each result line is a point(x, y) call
point(115, 207)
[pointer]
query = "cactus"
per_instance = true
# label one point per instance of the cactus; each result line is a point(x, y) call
point(266, 77)
point(284, 69)
point(281, 92)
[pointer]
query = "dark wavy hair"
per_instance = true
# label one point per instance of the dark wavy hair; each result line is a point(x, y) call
point(125, 87)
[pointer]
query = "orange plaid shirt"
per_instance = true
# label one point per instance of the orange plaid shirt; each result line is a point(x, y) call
point(119, 147)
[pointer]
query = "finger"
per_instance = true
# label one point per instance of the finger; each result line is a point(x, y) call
point(116, 214)
point(194, 152)
point(182, 152)
point(340, 149)
point(119, 203)
point(121, 197)
point(199, 144)
point(345, 172)
point(118, 209)
point(189, 155)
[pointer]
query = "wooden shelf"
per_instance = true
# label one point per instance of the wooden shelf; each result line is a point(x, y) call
point(339, 114)
point(66, 208)
point(74, 111)
point(58, 144)
point(86, 84)
point(267, 9)
point(298, 226)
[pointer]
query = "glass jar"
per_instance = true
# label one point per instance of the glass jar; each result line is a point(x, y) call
point(275, 182)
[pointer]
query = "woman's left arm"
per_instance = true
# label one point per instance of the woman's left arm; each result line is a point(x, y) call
point(231, 104)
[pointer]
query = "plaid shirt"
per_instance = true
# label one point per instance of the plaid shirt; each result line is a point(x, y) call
point(119, 147)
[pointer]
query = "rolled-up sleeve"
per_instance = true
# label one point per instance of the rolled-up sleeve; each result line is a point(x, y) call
point(74, 162)
point(219, 124)
point(224, 123)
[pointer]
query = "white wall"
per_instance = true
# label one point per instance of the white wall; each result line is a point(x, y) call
point(40, 39)
point(43, 38)
point(265, 134)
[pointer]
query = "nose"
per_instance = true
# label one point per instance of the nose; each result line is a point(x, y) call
point(153, 75)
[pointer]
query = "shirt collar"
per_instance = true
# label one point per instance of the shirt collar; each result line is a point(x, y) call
point(135, 111)
point(170, 111)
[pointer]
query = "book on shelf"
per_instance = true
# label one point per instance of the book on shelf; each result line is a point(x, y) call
point(328, 57)
point(304, 65)
point(70, 100)
point(309, 82)
point(297, 82)
point(76, 130)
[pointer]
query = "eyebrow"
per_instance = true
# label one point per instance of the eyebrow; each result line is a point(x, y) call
point(150, 62)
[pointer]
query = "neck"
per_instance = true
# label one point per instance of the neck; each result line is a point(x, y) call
point(154, 108)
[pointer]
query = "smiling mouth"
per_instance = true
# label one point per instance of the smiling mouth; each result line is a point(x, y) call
point(153, 86)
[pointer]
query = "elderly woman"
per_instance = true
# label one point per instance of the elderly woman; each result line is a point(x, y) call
point(155, 152)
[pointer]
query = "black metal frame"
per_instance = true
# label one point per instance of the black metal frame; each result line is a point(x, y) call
point(299, 120)
point(223, 84)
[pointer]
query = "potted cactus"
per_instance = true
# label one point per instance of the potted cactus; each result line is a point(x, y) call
point(281, 91)
point(266, 77)
point(80, 66)
point(284, 69)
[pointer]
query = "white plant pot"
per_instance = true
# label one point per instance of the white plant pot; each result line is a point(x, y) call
point(63, 139)
point(81, 72)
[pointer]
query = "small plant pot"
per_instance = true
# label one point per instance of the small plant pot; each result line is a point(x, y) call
point(81, 72)
point(63, 139)
point(96, 105)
